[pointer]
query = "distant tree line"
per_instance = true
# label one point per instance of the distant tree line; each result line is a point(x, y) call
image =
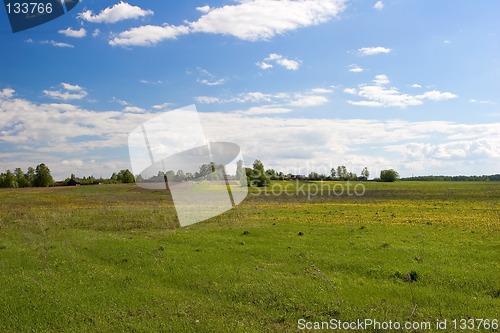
point(209, 171)
point(41, 177)
point(256, 176)
point(33, 177)
point(483, 178)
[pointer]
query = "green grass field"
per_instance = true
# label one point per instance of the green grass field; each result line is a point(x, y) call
point(110, 258)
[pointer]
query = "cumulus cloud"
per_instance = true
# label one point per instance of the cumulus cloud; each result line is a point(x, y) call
point(249, 20)
point(308, 101)
point(456, 150)
point(134, 109)
point(416, 85)
point(321, 91)
point(307, 98)
point(291, 65)
point(7, 93)
point(264, 65)
point(68, 92)
point(381, 80)
point(148, 35)
point(203, 9)
point(292, 142)
point(379, 5)
point(355, 69)
point(435, 95)
point(379, 95)
point(368, 51)
point(71, 87)
point(119, 12)
point(263, 19)
point(80, 33)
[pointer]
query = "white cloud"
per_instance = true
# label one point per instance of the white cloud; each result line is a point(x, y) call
point(311, 97)
point(291, 143)
point(68, 92)
point(253, 97)
point(71, 87)
point(208, 79)
point(291, 65)
point(119, 12)
point(355, 69)
point(203, 9)
point(76, 163)
point(264, 65)
point(148, 35)
point(454, 151)
point(265, 109)
point(120, 101)
point(29, 40)
point(96, 33)
point(308, 101)
point(162, 106)
point(211, 83)
point(416, 85)
point(435, 95)
point(379, 95)
point(7, 93)
point(381, 80)
point(207, 100)
point(250, 20)
point(134, 109)
point(57, 44)
point(379, 5)
point(74, 33)
point(263, 19)
point(482, 102)
point(351, 91)
point(321, 91)
point(151, 82)
point(368, 51)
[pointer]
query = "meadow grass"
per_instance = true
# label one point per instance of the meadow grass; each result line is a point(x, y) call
point(111, 258)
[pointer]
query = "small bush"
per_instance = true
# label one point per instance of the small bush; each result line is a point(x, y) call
point(389, 175)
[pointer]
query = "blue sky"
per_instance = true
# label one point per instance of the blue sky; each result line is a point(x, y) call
point(302, 85)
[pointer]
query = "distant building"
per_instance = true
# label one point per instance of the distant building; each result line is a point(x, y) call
point(73, 182)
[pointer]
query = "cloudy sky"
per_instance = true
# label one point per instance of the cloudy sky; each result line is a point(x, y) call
point(300, 84)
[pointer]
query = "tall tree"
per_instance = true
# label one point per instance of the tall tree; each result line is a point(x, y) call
point(21, 178)
point(365, 173)
point(43, 178)
point(9, 179)
point(333, 173)
point(342, 172)
point(257, 176)
point(30, 176)
point(125, 176)
point(239, 170)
